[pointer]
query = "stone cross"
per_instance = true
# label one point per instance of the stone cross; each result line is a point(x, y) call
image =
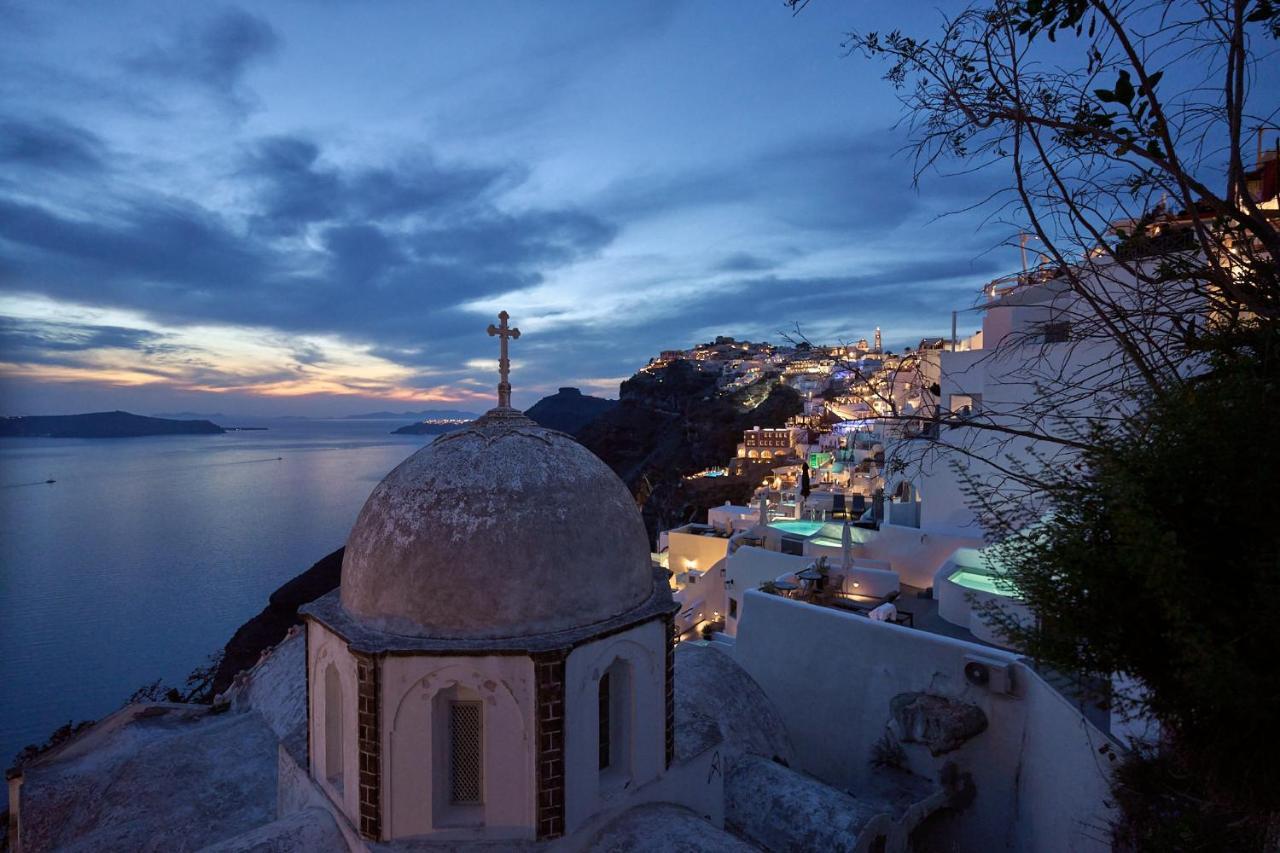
point(504, 364)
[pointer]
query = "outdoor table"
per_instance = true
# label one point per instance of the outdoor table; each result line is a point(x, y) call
point(787, 588)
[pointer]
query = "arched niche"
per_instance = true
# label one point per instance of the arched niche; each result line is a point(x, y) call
point(333, 755)
point(638, 659)
point(417, 764)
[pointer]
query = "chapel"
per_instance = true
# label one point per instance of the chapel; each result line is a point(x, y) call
point(497, 663)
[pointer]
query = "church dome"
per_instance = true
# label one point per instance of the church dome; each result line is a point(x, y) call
point(502, 529)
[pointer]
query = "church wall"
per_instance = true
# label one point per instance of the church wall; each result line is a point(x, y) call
point(644, 649)
point(1040, 782)
point(325, 647)
point(411, 772)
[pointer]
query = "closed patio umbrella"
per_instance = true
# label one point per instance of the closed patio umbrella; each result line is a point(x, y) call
point(846, 546)
point(764, 511)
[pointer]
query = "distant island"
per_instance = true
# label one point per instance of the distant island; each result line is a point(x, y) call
point(569, 410)
point(101, 425)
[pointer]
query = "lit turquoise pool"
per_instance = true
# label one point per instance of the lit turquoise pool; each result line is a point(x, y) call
point(799, 528)
point(981, 583)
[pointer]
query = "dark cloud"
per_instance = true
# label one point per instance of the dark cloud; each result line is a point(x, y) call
point(213, 53)
point(853, 186)
point(146, 250)
point(49, 143)
point(295, 188)
point(743, 262)
point(386, 264)
point(42, 342)
point(292, 191)
point(361, 253)
point(538, 237)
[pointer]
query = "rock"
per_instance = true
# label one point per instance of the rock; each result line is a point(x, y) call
point(672, 421)
point(569, 410)
point(938, 722)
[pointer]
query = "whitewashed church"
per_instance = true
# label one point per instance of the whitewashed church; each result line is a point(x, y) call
point(498, 661)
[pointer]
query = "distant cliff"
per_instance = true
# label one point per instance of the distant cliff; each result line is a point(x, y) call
point(569, 410)
point(101, 425)
point(281, 613)
point(674, 421)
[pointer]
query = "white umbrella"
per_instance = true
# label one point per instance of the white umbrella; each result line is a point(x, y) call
point(846, 546)
point(764, 511)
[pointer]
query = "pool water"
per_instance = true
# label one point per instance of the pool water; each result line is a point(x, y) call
point(982, 583)
point(800, 528)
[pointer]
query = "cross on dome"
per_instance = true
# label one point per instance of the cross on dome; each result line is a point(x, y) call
point(504, 332)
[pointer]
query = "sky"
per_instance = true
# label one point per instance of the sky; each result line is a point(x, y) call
point(317, 207)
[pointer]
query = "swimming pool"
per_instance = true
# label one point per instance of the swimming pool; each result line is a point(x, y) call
point(799, 528)
point(982, 583)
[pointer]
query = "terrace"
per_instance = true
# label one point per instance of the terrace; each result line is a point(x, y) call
point(825, 564)
point(862, 590)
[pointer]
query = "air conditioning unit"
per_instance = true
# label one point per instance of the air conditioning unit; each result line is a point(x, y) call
point(995, 675)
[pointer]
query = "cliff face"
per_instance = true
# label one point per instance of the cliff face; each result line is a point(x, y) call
point(102, 425)
point(569, 410)
point(673, 422)
point(281, 613)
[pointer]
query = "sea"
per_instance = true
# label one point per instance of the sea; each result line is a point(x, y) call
point(144, 555)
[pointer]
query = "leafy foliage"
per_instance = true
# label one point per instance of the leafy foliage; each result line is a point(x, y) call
point(1160, 560)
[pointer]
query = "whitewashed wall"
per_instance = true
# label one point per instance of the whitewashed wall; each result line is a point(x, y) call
point(914, 553)
point(504, 685)
point(324, 647)
point(1041, 783)
point(644, 648)
point(688, 551)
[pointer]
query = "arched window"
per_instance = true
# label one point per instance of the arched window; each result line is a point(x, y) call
point(465, 753)
point(333, 727)
point(458, 774)
point(613, 697)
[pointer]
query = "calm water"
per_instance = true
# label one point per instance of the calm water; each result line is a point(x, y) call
point(147, 553)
